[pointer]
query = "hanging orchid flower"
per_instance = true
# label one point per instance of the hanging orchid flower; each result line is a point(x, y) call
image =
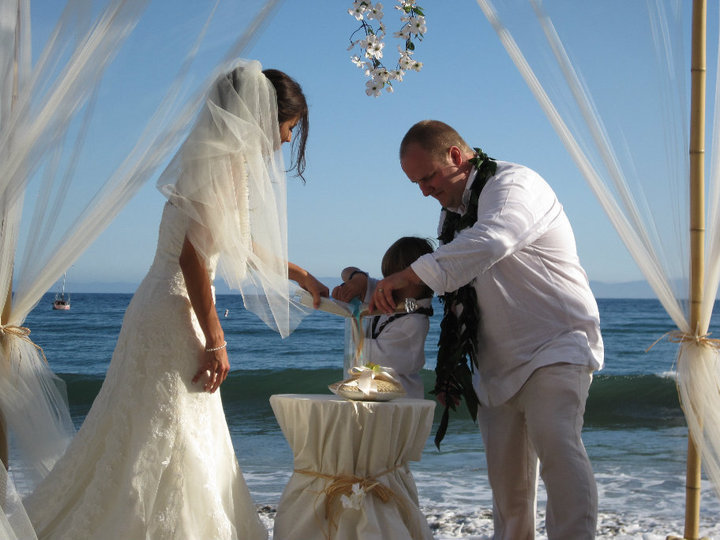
point(372, 44)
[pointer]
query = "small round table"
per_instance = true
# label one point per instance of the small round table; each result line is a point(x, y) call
point(351, 479)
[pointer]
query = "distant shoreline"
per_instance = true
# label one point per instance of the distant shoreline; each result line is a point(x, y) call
point(601, 290)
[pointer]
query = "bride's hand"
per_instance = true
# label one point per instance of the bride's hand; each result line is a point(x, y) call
point(214, 367)
point(308, 282)
point(316, 288)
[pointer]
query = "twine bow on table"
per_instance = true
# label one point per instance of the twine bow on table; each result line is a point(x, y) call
point(23, 333)
point(343, 486)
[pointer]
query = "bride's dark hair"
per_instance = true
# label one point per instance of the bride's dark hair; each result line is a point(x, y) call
point(291, 104)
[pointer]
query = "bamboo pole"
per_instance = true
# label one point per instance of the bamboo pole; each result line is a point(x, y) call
point(697, 239)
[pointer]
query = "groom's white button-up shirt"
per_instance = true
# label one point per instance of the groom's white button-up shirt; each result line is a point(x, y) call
point(536, 306)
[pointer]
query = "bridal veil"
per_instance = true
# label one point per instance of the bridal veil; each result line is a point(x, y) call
point(229, 179)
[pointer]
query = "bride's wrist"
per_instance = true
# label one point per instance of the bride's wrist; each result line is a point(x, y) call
point(216, 347)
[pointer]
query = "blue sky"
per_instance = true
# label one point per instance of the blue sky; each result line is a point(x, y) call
point(357, 201)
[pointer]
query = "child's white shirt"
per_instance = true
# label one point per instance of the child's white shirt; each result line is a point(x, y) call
point(400, 344)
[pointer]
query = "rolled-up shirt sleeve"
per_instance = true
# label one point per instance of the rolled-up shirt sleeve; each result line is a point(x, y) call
point(534, 298)
point(510, 218)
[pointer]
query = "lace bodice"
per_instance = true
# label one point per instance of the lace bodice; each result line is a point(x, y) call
point(171, 235)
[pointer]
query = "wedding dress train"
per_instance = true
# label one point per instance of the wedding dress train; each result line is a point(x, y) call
point(153, 459)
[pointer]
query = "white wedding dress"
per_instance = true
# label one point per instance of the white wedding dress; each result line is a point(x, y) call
point(153, 459)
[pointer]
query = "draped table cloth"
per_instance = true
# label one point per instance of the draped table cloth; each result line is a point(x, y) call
point(351, 478)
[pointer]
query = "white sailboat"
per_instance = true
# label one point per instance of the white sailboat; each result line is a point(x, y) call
point(62, 302)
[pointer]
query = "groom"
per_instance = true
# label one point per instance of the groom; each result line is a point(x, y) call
point(519, 310)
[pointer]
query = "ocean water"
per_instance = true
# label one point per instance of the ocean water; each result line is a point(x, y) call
point(634, 431)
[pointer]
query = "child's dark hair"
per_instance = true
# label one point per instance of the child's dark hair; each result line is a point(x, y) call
point(292, 104)
point(403, 253)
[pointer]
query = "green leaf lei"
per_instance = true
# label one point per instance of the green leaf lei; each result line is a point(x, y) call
point(457, 346)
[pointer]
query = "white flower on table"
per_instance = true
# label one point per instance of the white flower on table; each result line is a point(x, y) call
point(356, 498)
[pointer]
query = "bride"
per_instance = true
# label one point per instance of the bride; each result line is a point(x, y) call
point(154, 458)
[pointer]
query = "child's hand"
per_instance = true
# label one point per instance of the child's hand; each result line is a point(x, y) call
point(352, 288)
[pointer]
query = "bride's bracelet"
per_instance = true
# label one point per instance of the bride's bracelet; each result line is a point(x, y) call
point(212, 349)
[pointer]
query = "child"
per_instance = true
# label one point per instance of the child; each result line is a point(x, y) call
point(396, 340)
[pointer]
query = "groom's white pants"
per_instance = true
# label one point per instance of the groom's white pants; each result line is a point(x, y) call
point(543, 421)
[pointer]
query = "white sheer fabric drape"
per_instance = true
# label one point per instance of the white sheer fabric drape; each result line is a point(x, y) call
point(630, 141)
point(47, 108)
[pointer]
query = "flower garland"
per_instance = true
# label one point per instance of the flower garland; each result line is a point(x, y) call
point(457, 346)
point(371, 46)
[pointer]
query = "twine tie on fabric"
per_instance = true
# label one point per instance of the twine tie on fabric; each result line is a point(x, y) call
point(678, 336)
point(342, 484)
point(22, 332)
